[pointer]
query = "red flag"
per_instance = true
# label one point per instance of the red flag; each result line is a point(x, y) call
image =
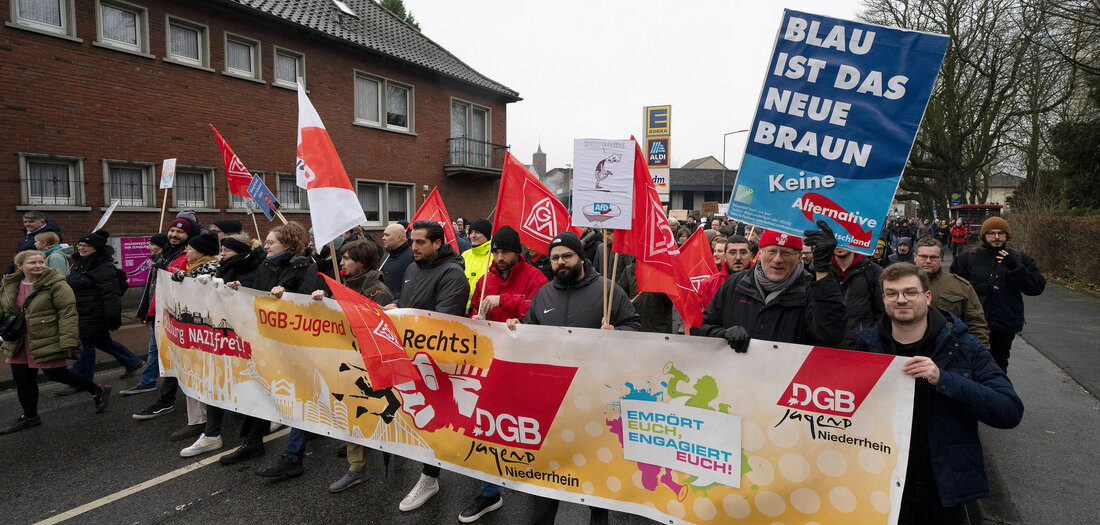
point(697, 259)
point(651, 241)
point(386, 362)
point(434, 210)
point(239, 177)
point(528, 206)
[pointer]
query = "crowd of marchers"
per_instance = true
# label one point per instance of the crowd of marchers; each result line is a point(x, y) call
point(955, 326)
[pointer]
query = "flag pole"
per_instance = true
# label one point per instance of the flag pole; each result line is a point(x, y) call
point(335, 272)
point(257, 225)
point(163, 206)
point(611, 294)
point(603, 233)
point(279, 214)
point(485, 277)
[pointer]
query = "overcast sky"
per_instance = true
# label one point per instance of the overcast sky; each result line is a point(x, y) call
point(585, 69)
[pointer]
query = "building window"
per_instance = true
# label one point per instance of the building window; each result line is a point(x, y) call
point(373, 94)
point(188, 43)
point(242, 57)
point(51, 180)
point(470, 135)
point(288, 192)
point(194, 188)
point(52, 16)
point(131, 183)
point(289, 66)
point(122, 26)
point(388, 200)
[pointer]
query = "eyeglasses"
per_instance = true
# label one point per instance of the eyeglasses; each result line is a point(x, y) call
point(910, 294)
point(927, 257)
point(772, 252)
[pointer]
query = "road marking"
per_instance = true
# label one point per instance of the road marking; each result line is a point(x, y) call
point(69, 514)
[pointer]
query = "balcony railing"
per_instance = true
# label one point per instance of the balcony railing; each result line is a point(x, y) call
point(474, 156)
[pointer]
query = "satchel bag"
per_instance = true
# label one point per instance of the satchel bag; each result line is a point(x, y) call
point(11, 328)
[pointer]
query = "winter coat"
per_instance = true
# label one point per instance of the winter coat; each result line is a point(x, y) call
point(958, 233)
point(542, 262)
point(904, 230)
point(147, 308)
point(579, 304)
point(970, 389)
point(393, 267)
point(1000, 286)
point(810, 311)
point(94, 282)
point(925, 230)
point(592, 242)
point(60, 258)
point(709, 287)
point(624, 261)
point(26, 240)
point(52, 329)
point(862, 298)
point(476, 261)
point(955, 294)
point(369, 284)
point(311, 281)
point(654, 309)
point(515, 292)
point(242, 267)
point(285, 269)
point(439, 286)
point(897, 257)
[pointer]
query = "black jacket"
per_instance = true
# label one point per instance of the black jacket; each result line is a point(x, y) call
point(862, 299)
point(810, 311)
point(542, 262)
point(95, 285)
point(393, 267)
point(580, 304)
point(897, 257)
point(160, 262)
point(284, 270)
point(591, 242)
point(242, 267)
point(26, 242)
point(654, 309)
point(440, 286)
point(1000, 286)
point(311, 281)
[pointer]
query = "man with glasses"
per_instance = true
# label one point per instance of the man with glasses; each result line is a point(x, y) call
point(778, 299)
point(738, 256)
point(951, 292)
point(1001, 276)
point(957, 386)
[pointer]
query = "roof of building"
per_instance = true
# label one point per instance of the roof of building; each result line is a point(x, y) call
point(708, 162)
point(701, 179)
point(377, 30)
point(1004, 180)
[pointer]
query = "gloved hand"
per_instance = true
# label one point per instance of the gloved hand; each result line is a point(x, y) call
point(738, 339)
point(178, 276)
point(823, 242)
point(1006, 258)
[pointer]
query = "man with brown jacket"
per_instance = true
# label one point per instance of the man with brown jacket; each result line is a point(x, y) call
point(951, 292)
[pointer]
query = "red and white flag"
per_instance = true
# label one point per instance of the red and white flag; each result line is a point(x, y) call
point(333, 205)
point(386, 362)
point(433, 210)
point(239, 177)
point(528, 206)
point(697, 259)
point(651, 242)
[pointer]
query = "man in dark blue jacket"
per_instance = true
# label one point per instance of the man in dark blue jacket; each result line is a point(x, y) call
point(957, 386)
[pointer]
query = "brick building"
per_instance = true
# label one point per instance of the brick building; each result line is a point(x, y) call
point(98, 92)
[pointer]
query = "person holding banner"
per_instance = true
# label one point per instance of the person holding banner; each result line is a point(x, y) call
point(510, 283)
point(777, 299)
point(958, 385)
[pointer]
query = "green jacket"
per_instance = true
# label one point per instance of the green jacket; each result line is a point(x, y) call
point(956, 295)
point(52, 330)
point(60, 257)
point(369, 284)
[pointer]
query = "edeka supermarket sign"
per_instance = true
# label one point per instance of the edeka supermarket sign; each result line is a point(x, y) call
point(680, 430)
point(841, 105)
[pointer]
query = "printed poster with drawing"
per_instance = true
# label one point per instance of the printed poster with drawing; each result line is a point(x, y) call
point(603, 183)
point(679, 430)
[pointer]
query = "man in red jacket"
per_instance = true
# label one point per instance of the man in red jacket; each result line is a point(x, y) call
point(512, 282)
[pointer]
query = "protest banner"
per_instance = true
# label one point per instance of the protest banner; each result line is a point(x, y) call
point(263, 198)
point(679, 429)
point(135, 259)
point(603, 183)
point(167, 180)
point(837, 116)
point(106, 216)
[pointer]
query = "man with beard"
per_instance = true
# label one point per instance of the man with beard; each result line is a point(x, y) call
point(905, 252)
point(575, 299)
point(957, 386)
point(777, 299)
point(398, 257)
point(738, 256)
point(1001, 276)
point(951, 292)
point(859, 286)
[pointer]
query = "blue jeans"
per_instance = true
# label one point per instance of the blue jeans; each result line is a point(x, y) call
point(296, 444)
point(489, 490)
point(85, 365)
point(152, 365)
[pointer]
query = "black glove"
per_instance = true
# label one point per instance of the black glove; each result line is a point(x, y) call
point(1008, 260)
point(823, 242)
point(178, 276)
point(738, 339)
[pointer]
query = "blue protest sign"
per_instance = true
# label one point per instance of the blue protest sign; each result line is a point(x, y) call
point(264, 199)
point(840, 108)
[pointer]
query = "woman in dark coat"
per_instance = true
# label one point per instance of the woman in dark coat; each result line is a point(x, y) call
point(241, 259)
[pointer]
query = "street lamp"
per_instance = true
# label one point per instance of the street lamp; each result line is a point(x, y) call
point(724, 158)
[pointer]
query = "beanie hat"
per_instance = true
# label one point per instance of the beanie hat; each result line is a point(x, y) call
point(484, 226)
point(993, 223)
point(906, 241)
point(182, 224)
point(235, 245)
point(160, 240)
point(507, 239)
point(206, 244)
point(569, 240)
point(774, 238)
point(228, 226)
point(97, 240)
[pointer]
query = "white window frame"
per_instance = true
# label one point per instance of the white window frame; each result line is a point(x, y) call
point(67, 29)
point(203, 61)
point(383, 92)
point(207, 201)
point(141, 15)
point(75, 176)
point(303, 201)
point(148, 183)
point(383, 188)
point(298, 57)
point(257, 63)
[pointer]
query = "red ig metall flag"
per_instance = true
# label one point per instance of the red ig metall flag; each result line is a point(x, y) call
point(697, 259)
point(433, 210)
point(529, 207)
point(386, 362)
point(238, 175)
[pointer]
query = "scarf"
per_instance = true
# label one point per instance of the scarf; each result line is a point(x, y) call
point(199, 262)
point(769, 289)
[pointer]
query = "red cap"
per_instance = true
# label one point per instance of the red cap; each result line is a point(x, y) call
point(774, 238)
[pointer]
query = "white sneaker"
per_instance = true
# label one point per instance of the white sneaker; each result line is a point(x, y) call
point(202, 445)
point(420, 494)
